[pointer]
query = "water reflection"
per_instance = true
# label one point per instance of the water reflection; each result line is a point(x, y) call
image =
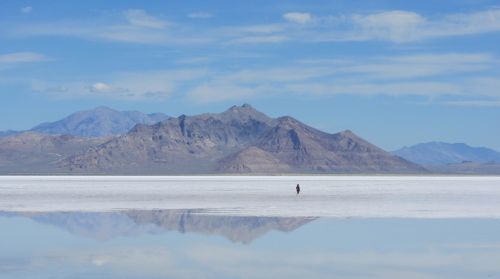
point(185, 244)
point(107, 225)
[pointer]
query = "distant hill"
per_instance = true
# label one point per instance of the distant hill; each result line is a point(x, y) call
point(467, 167)
point(239, 140)
point(8, 133)
point(97, 122)
point(31, 152)
point(440, 153)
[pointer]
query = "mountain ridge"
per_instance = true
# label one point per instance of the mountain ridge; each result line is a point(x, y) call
point(97, 122)
point(235, 141)
point(442, 153)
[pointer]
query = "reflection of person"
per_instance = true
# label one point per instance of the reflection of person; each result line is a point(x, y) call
point(298, 189)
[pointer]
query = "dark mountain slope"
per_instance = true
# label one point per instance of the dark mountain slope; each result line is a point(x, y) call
point(33, 152)
point(240, 140)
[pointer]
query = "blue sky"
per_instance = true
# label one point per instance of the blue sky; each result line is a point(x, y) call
point(395, 72)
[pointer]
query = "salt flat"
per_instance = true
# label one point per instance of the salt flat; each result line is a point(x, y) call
point(323, 196)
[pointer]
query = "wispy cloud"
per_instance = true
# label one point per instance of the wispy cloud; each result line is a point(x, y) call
point(125, 86)
point(418, 65)
point(130, 26)
point(253, 34)
point(26, 10)
point(426, 75)
point(393, 26)
point(406, 26)
point(22, 57)
point(194, 60)
point(200, 15)
point(138, 26)
point(474, 103)
point(255, 29)
point(141, 19)
point(463, 78)
point(300, 18)
point(259, 39)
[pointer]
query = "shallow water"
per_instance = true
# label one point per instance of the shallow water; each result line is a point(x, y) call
point(249, 227)
point(183, 244)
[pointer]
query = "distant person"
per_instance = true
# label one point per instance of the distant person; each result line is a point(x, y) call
point(298, 189)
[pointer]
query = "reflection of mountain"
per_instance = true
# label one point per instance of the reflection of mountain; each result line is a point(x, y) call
point(97, 225)
point(107, 225)
point(235, 228)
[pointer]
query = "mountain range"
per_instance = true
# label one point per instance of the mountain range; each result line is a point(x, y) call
point(8, 133)
point(238, 140)
point(441, 153)
point(98, 122)
point(456, 158)
point(31, 152)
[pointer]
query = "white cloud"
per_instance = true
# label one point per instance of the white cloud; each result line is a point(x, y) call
point(130, 34)
point(349, 87)
point(253, 34)
point(398, 26)
point(141, 19)
point(466, 23)
point(22, 57)
point(129, 86)
point(259, 29)
point(405, 26)
point(101, 87)
point(259, 39)
point(131, 26)
point(200, 15)
point(394, 26)
point(440, 77)
point(474, 103)
point(421, 65)
point(279, 74)
point(300, 18)
point(409, 75)
point(194, 60)
point(26, 10)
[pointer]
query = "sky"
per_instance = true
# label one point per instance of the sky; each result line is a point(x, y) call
point(396, 73)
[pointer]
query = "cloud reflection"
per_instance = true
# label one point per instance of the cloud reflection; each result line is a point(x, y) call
point(186, 244)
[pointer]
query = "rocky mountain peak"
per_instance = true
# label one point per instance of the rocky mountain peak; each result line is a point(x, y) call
point(238, 140)
point(245, 112)
point(347, 133)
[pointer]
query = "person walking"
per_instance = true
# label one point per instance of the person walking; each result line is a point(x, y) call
point(298, 189)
